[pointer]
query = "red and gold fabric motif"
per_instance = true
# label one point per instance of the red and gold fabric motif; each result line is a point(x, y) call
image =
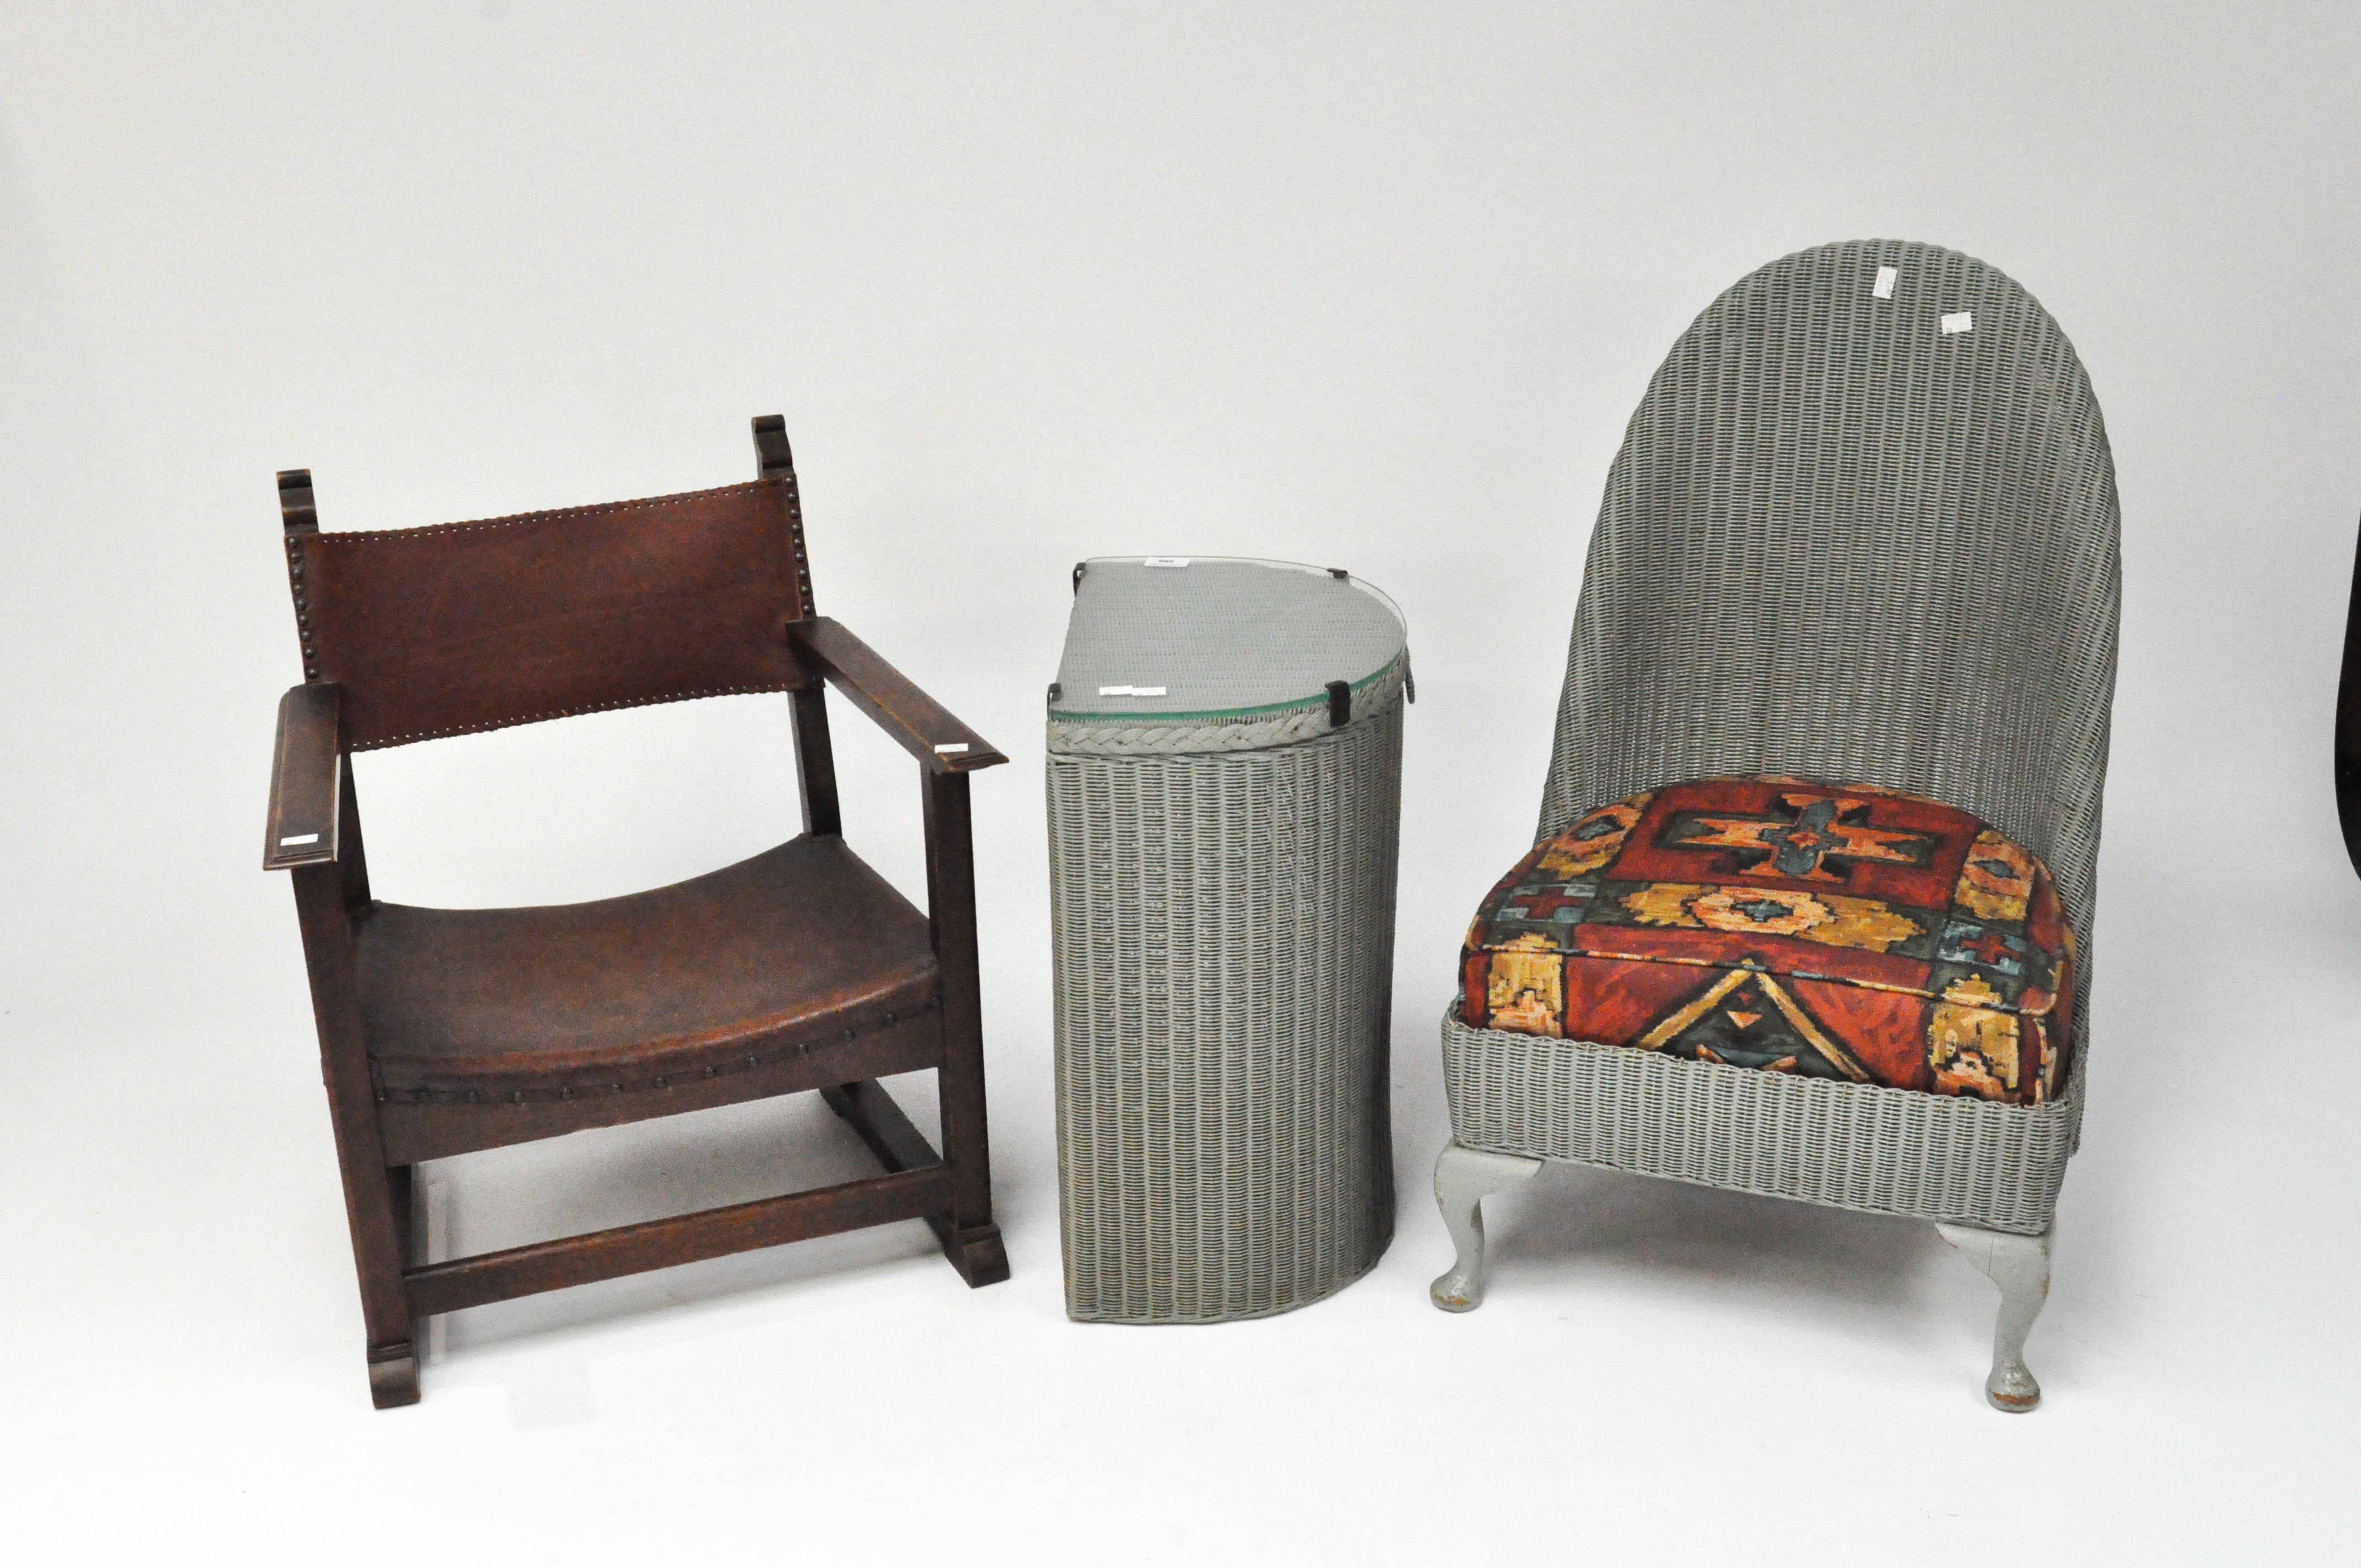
point(1845, 931)
point(1593, 841)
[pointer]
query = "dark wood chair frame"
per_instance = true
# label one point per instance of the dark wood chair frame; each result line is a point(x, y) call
point(314, 832)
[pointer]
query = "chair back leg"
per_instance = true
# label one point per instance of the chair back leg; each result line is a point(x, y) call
point(974, 1248)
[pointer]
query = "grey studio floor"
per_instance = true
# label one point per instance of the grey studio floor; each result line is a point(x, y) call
point(1364, 286)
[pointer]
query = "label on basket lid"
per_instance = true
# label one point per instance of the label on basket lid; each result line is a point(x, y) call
point(1959, 321)
point(1165, 561)
point(1883, 290)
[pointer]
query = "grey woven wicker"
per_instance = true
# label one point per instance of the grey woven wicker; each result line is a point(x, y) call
point(1222, 839)
point(1862, 527)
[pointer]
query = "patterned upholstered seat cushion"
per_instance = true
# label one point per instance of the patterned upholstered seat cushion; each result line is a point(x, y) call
point(1836, 930)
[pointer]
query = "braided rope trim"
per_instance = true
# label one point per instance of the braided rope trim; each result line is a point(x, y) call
point(1307, 721)
point(1844, 1146)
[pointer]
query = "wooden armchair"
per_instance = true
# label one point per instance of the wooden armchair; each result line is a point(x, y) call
point(446, 1031)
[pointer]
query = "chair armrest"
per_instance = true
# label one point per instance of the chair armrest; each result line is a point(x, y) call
point(306, 779)
point(921, 724)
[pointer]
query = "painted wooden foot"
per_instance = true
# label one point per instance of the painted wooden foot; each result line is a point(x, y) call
point(393, 1374)
point(2020, 1267)
point(1464, 1177)
point(978, 1254)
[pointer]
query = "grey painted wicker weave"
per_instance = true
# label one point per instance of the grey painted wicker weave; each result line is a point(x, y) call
point(1222, 868)
point(1862, 527)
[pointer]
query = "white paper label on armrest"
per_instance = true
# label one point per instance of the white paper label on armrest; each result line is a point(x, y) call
point(1131, 690)
point(1884, 287)
point(293, 839)
point(950, 748)
point(1959, 321)
point(1165, 561)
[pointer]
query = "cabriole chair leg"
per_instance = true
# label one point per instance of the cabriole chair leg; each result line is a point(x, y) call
point(1464, 1177)
point(2020, 1267)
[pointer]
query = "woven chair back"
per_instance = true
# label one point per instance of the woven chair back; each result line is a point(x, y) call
point(1862, 527)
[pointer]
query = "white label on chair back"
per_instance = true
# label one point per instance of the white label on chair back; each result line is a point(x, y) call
point(1959, 321)
point(1131, 691)
point(950, 748)
point(1165, 561)
point(299, 839)
point(1885, 277)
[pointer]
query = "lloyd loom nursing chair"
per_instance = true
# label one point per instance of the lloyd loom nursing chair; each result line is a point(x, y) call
point(1821, 822)
point(447, 1031)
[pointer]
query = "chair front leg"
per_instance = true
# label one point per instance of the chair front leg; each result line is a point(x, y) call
point(1464, 1177)
point(373, 1206)
point(2020, 1267)
point(974, 1245)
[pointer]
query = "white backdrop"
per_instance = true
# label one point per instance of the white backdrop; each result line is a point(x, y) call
point(1366, 286)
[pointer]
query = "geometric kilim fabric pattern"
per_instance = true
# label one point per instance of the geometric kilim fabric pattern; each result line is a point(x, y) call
point(1843, 931)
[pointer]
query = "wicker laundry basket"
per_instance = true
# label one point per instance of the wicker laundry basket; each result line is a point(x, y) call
point(1225, 774)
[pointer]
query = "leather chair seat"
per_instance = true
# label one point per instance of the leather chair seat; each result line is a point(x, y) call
point(798, 951)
